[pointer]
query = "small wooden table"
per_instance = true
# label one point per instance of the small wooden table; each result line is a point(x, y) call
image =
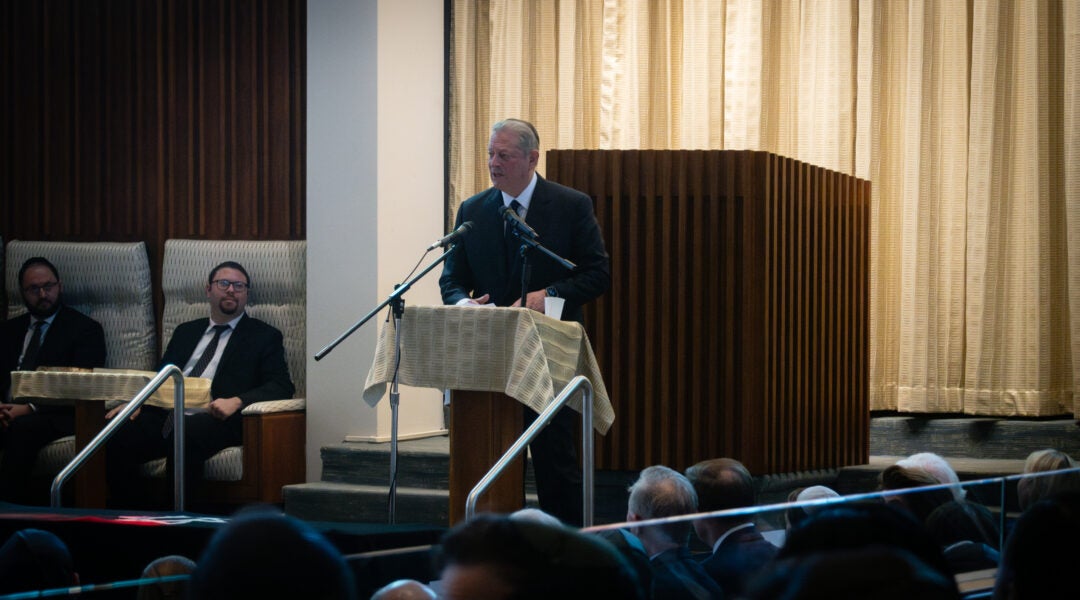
point(88, 392)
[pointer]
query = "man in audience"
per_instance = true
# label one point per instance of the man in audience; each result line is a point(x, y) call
point(939, 468)
point(493, 556)
point(738, 548)
point(404, 589)
point(658, 493)
point(1040, 554)
point(857, 550)
point(32, 560)
point(245, 359)
point(48, 334)
point(1035, 487)
point(263, 553)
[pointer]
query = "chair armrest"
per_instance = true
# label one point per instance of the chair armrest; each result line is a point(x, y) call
point(273, 406)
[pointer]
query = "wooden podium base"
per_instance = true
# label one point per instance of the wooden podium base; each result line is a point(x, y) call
point(483, 426)
point(90, 488)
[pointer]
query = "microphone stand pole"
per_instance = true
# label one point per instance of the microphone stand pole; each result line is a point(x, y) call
point(528, 243)
point(397, 302)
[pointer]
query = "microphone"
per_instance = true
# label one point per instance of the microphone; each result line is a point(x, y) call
point(523, 228)
point(452, 237)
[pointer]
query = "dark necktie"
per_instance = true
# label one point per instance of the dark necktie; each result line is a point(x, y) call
point(30, 357)
point(208, 354)
point(513, 245)
point(197, 370)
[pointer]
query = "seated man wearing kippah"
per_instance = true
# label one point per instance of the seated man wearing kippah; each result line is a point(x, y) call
point(49, 334)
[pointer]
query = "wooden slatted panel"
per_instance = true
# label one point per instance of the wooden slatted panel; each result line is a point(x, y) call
point(737, 320)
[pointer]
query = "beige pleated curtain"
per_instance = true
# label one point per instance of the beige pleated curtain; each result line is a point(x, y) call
point(962, 113)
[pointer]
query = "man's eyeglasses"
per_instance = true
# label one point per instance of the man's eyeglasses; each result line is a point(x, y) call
point(35, 290)
point(223, 284)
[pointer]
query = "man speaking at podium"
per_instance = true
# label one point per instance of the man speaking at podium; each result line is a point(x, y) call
point(486, 269)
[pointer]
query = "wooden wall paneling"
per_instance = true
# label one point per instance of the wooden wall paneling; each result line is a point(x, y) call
point(133, 120)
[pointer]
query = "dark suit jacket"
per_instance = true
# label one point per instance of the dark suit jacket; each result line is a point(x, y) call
point(73, 340)
point(252, 365)
point(740, 556)
point(677, 575)
point(565, 223)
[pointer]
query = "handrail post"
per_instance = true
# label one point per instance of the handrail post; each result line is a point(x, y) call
point(588, 460)
point(121, 418)
point(178, 440)
point(588, 456)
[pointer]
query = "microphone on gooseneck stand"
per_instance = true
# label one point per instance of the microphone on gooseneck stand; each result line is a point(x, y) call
point(518, 223)
point(452, 237)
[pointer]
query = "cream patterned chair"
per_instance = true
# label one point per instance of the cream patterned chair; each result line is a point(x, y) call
point(108, 281)
point(274, 432)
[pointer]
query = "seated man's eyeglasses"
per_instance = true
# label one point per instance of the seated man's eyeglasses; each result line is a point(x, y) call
point(223, 284)
point(37, 289)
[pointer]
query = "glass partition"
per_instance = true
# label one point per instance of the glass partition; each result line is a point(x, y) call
point(959, 530)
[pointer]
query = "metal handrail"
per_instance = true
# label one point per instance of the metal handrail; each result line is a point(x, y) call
point(587, 458)
point(121, 418)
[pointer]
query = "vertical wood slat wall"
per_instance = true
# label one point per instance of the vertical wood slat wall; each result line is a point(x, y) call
point(152, 119)
point(737, 322)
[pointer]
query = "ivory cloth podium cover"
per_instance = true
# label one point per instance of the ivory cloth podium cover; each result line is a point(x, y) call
point(89, 390)
point(476, 351)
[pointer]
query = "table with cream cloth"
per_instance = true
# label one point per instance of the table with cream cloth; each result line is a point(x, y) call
point(89, 391)
point(522, 353)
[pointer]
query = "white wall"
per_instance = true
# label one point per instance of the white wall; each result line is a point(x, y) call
point(374, 199)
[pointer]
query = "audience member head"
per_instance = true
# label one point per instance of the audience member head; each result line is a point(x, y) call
point(494, 556)
point(661, 492)
point(939, 468)
point(166, 566)
point(796, 514)
point(262, 553)
point(968, 535)
point(41, 288)
point(859, 526)
point(878, 572)
point(33, 559)
point(1030, 490)
point(404, 589)
point(721, 484)
point(535, 514)
point(922, 502)
point(1039, 555)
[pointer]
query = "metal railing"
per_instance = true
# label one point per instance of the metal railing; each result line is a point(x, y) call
point(121, 418)
point(587, 457)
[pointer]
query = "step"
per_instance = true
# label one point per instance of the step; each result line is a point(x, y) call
point(423, 463)
point(353, 503)
point(971, 437)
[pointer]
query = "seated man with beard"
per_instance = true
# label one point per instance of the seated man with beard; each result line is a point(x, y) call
point(242, 356)
point(50, 334)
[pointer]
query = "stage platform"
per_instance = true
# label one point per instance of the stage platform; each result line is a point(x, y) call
point(355, 476)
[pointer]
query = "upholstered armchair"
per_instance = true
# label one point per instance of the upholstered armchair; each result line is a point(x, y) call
point(108, 281)
point(272, 455)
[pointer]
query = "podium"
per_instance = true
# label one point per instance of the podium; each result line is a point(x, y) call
point(88, 391)
point(737, 323)
point(494, 360)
